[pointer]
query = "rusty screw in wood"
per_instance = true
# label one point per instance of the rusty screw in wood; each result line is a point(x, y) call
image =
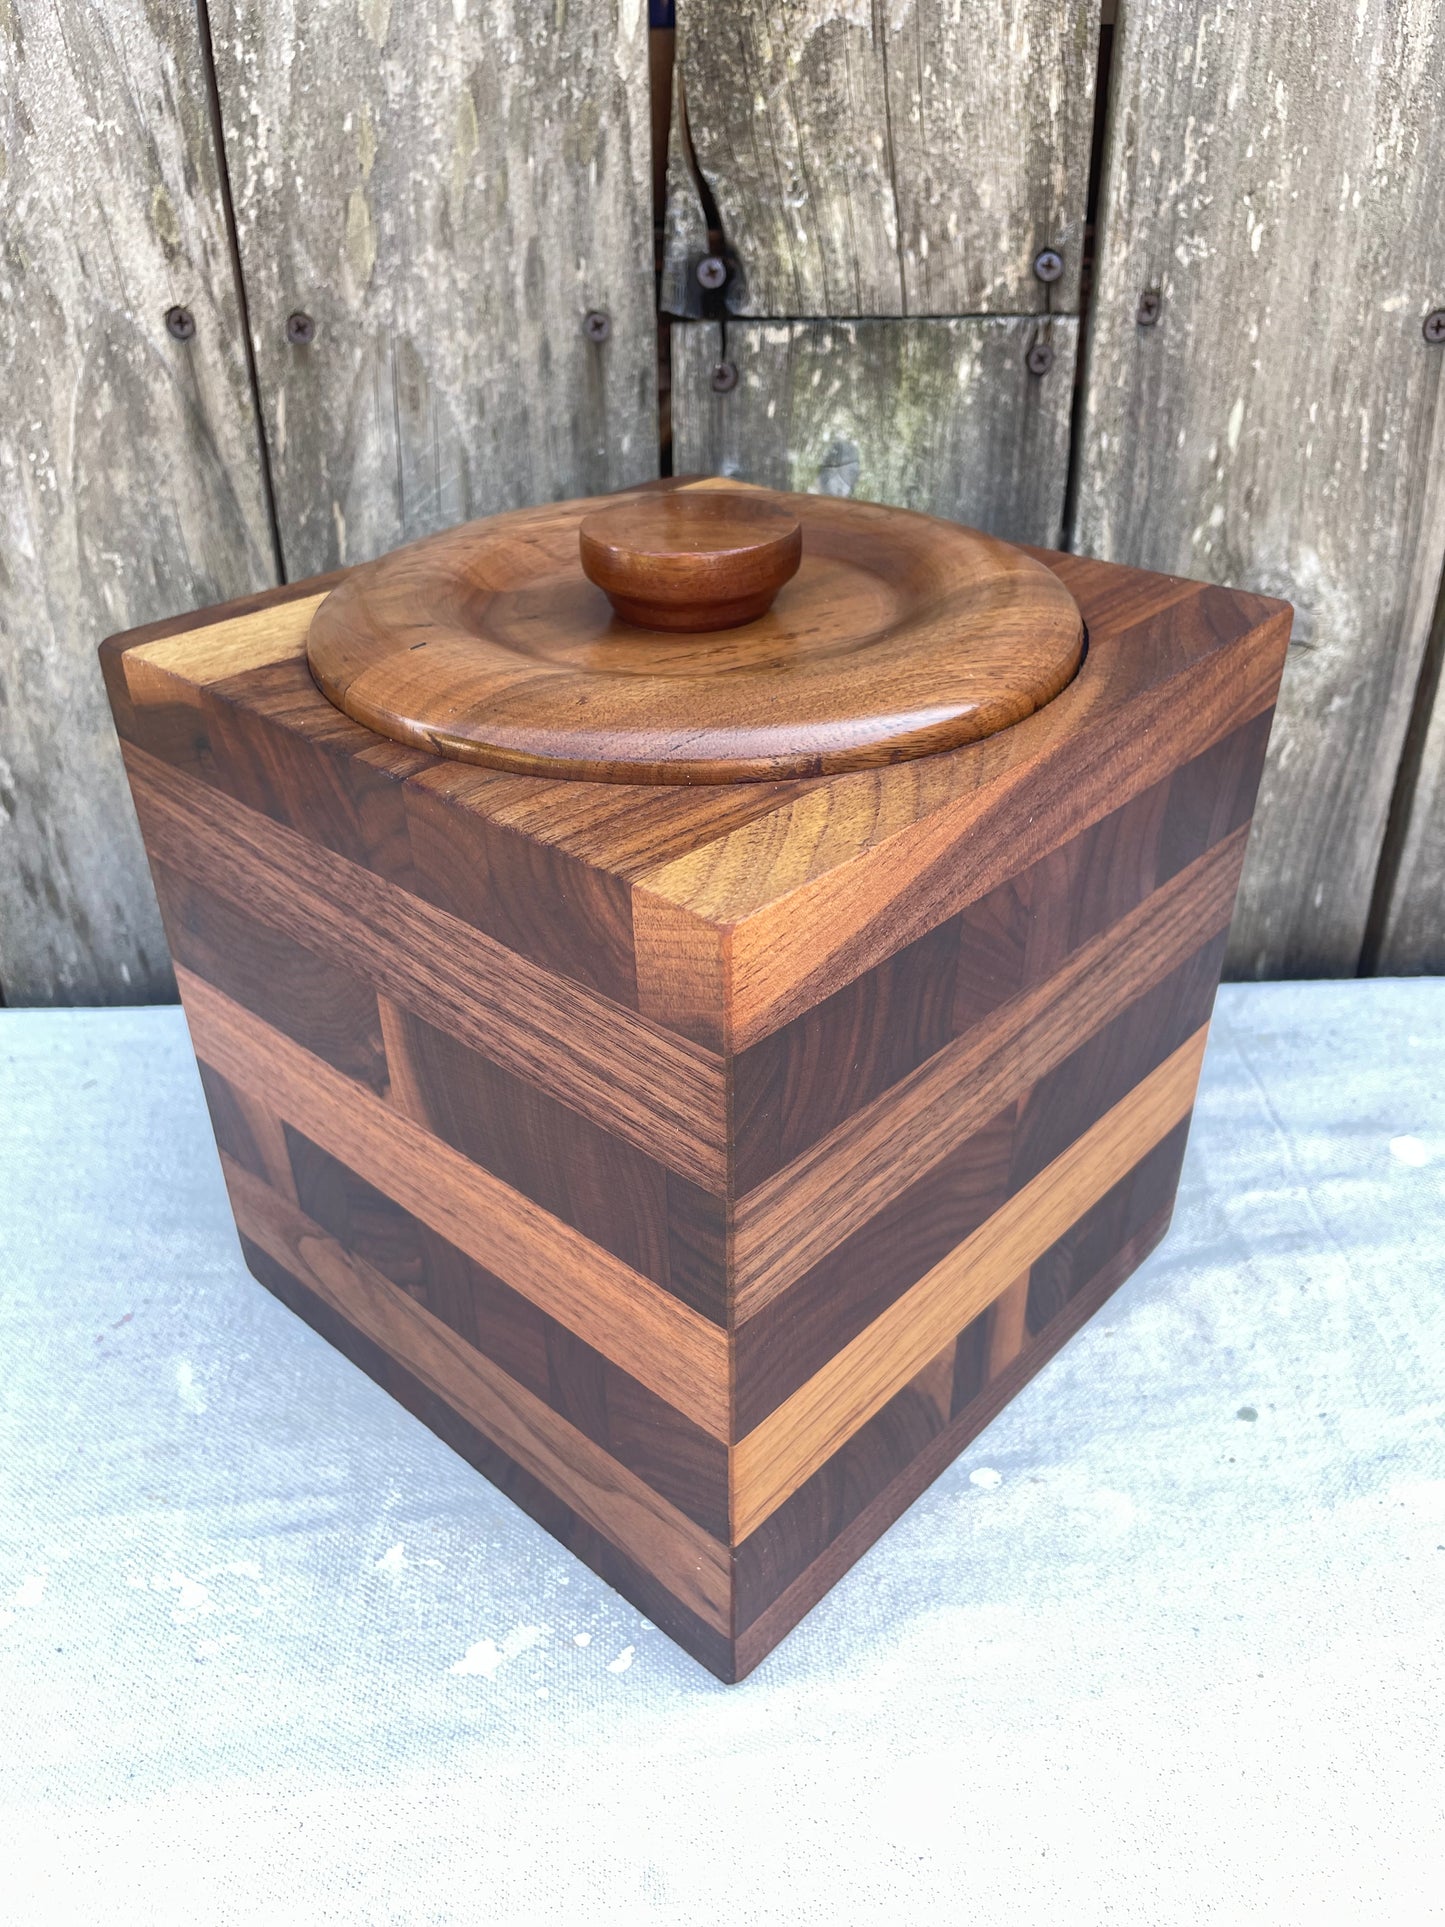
point(1048, 264)
point(712, 271)
point(300, 329)
point(724, 378)
point(180, 324)
point(598, 326)
point(1150, 303)
point(1040, 358)
point(1435, 327)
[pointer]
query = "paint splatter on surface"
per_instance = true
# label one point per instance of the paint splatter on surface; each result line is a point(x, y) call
point(1265, 1630)
point(188, 1389)
point(485, 1656)
point(1410, 1150)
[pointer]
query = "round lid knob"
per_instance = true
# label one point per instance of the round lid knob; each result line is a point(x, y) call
point(692, 562)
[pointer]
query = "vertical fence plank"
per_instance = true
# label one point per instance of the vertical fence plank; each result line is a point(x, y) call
point(129, 460)
point(446, 192)
point(890, 160)
point(942, 416)
point(1273, 173)
point(1410, 938)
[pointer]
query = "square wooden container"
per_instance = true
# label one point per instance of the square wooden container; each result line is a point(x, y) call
point(707, 1166)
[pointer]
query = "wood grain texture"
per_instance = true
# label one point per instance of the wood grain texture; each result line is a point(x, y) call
point(692, 559)
point(766, 1612)
point(1008, 1328)
point(780, 1345)
point(628, 1576)
point(159, 671)
point(248, 1133)
point(128, 459)
point(1282, 427)
point(774, 1458)
point(803, 1080)
point(1109, 1226)
point(574, 1169)
point(660, 1341)
point(447, 192)
point(813, 884)
point(899, 635)
point(762, 1148)
point(939, 415)
point(641, 1082)
point(892, 161)
point(787, 1223)
point(693, 1565)
point(322, 1006)
point(1411, 937)
point(641, 1431)
point(838, 876)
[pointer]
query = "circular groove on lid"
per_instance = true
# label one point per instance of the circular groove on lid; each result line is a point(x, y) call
point(899, 635)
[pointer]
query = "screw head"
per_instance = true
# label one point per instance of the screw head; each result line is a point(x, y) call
point(597, 326)
point(1040, 358)
point(1434, 330)
point(724, 378)
point(1048, 264)
point(712, 271)
point(1150, 304)
point(300, 329)
point(180, 324)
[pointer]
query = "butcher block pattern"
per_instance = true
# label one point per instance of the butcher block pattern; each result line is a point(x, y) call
point(707, 1166)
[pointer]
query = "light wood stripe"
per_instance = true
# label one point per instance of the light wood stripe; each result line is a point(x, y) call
point(822, 1415)
point(663, 1343)
point(693, 1566)
point(657, 1090)
point(792, 1219)
point(221, 649)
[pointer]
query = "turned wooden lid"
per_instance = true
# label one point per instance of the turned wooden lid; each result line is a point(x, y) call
point(707, 634)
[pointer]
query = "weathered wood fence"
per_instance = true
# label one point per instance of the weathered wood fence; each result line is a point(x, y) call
point(284, 282)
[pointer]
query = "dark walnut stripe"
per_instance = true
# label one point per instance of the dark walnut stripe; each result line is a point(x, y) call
point(769, 1603)
point(795, 1218)
point(710, 1646)
point(797, 1331)
point(805, 1079)
point(771, 1461)
point(639, 1082)
point(641, 1431)
point(695, 1568)
point(407, 1351)
point(797, 909)
point(613, 1193)
point(601, 1185)
point(1092, 1243)
point(328, 1010)
point(676, 1353)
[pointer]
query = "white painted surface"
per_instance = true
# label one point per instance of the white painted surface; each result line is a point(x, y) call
point(1180, 1660)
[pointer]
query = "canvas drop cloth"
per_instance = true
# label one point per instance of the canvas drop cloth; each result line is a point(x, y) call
point(1166, 1644)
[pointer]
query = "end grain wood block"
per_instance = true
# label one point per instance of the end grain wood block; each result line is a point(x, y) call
point(706, 1164)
